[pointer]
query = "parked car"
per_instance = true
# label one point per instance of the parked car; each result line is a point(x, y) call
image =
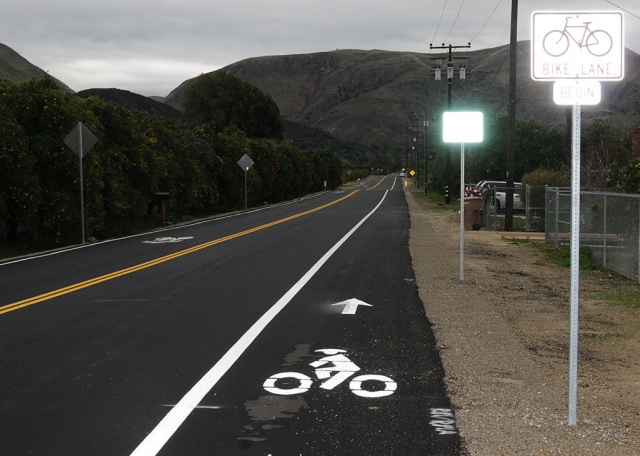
point(500, 188)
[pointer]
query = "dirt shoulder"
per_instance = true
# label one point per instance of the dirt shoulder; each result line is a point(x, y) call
point(503, 338)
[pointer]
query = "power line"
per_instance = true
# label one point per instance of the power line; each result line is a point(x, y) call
point(454, 22)
point(485, 24)
point(622, 9)
point(441, 14)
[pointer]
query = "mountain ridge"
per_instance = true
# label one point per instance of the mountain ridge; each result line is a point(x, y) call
point(16, 68)
point(372, 96)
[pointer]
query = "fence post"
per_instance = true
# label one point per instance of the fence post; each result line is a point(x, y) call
point(557, 214)
point(604, 245)
point(527, 224)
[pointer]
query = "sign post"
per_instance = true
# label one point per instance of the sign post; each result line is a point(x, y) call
point(81, 140)
point(245, 163)
point(576, 50)
point(462, 127)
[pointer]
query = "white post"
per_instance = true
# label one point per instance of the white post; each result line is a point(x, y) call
point(245, 188)
point(461, 212)
point(575, 267)
point(81, 182)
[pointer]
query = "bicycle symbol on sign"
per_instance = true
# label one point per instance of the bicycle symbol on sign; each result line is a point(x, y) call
point(556, 42)
point(334, 369)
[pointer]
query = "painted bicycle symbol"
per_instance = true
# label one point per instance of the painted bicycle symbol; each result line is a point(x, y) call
point(167, 240)
point(333, 369)
point(556, 42)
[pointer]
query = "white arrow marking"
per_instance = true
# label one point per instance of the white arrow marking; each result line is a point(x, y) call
point(351, 305)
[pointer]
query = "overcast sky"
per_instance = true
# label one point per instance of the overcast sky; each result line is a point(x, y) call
point(151, 46)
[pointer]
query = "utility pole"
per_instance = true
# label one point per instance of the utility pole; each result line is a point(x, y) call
point(426, 176)
point(415, 150)
point(447, 180)
point(511, 136)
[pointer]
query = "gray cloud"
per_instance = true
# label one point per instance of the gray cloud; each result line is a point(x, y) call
point(150, 47)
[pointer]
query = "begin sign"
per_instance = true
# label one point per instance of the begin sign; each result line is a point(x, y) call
point(577, 91)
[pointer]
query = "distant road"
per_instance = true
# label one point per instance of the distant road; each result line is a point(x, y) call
point(289, 330)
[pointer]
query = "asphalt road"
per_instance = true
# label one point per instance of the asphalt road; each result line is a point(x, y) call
point(230, 336)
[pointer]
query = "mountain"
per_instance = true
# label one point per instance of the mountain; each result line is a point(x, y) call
point(370, 97)
point(134, 102)
point(16, 68)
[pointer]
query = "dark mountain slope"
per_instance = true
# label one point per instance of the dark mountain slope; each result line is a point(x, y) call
point(372, 96)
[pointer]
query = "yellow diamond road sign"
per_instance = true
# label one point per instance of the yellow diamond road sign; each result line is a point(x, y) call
point(412, 172)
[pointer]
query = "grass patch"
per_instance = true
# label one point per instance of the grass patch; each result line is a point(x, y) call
point(629, 299)
point(561, 256)
point(435, 201)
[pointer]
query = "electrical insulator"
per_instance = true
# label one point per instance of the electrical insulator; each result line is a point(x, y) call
point(449, 72)
point(437, 72)
point(462, 73)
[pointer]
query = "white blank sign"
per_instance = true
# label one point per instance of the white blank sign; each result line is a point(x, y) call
point(462, 127)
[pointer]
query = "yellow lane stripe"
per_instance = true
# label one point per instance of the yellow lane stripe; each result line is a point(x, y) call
point(88, 283)
point(381, 180)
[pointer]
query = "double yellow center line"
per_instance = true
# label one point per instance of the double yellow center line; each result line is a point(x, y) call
point(88, 283)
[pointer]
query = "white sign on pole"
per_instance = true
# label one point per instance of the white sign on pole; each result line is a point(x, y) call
point(577, 91)
point(462, 127)
point(577, 50)
point(245, 163)
point(577, 45)
point(80, 140)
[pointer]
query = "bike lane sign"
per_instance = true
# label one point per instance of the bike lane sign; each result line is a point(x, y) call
point(577, 45)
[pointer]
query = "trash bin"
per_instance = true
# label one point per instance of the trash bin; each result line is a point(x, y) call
point(472, 213)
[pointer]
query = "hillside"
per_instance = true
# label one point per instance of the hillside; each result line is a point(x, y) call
point(371, 96)
point(16, 68)
point(134, 102)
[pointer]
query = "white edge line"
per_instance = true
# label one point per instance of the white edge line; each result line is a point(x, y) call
point(161, 434)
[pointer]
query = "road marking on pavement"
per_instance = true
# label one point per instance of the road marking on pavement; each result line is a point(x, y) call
point(351, 306)
point(381, 180)
point(88, 283)
point(154, 442)
point(168, 240)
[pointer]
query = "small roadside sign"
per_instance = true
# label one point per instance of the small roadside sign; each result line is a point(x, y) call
point(245, 162)
point(80, 140)
point(583, 92)
point(577, 45)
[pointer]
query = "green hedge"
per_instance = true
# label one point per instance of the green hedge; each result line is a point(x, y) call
point(136, 156)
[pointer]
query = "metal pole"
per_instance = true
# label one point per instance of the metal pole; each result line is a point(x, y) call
point(461, 212)
point(511, 131)
point(426, 134)
point(604, 229)
point(245, 188)
point(575, 267)
point(447, 178)
point(81, 182)
point(557, 219)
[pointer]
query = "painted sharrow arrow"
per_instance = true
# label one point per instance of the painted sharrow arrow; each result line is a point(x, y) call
point(351, 305)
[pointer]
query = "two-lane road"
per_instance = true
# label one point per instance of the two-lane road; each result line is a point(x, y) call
point(291, 330)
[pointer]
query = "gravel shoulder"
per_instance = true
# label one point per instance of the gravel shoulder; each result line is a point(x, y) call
point(503, 336)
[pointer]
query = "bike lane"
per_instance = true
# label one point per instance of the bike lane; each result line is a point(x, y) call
point(321, 381)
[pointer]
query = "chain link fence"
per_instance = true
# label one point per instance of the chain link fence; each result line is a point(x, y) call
point(609, 225)
point(528, 213)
